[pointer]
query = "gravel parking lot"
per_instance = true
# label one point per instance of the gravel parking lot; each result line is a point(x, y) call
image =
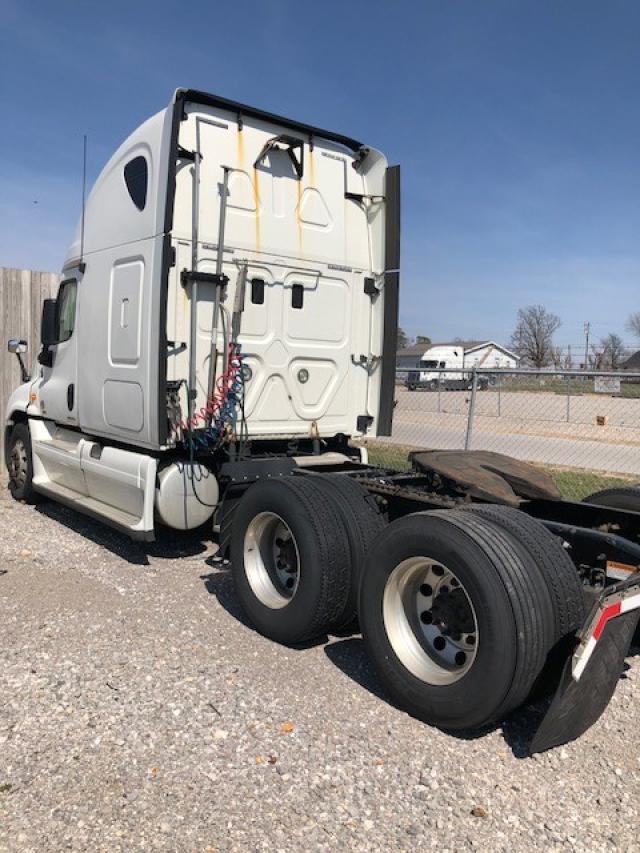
point(139, 711)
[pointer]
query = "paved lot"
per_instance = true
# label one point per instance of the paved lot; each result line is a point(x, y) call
point(527, 425)
point(138, 711)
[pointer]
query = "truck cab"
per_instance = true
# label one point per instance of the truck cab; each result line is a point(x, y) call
point(232, 283)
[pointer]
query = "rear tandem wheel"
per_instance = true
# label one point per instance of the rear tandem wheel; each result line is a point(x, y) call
point(456, 617)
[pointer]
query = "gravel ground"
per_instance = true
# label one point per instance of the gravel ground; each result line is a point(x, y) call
point(139, 711)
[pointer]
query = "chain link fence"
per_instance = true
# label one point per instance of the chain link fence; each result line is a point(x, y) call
point(583, 425)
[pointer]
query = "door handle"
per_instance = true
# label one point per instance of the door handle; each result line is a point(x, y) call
point(70, 396)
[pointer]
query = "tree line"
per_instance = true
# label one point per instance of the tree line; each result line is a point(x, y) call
point(532, 340)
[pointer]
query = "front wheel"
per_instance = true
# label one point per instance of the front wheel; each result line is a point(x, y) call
point(20, 464)
point(455, 621)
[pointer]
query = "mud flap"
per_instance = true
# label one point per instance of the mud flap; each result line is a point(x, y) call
point(578, 704)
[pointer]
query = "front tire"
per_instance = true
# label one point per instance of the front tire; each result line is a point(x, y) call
point(19, 464)
point(489, 643)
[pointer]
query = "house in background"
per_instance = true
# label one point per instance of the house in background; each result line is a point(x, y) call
point(489, 354)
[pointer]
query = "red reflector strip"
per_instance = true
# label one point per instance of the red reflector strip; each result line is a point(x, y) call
point(608, 613)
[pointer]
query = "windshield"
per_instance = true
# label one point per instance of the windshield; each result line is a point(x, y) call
point(428, 364)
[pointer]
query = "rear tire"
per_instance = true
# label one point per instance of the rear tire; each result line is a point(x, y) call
point(363, 520)
point(19, 464)
point(290, 559)
point(557, 572)
point(621, 497)
point(511, 612)
point(552, 560)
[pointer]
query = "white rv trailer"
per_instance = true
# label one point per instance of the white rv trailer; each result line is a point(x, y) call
point(225, 325)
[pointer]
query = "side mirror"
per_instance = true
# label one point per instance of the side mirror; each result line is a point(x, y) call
point(16, 346)
point(48, 330)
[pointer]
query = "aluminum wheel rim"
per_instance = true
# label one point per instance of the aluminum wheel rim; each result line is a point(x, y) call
point(430, 621)
point(18, 463)
point(271, 560)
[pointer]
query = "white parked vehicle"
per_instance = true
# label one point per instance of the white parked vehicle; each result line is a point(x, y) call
point(443, 366)
point(224, 328)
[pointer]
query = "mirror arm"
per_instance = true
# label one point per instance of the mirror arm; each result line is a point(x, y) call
point(26, 376)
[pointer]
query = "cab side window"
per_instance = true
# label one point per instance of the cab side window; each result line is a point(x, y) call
point(136, 177)
point(66, 309)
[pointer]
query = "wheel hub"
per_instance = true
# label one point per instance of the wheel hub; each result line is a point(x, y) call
point(271, 560)
point(430, 621)
point(451, 613)
point(18, 461)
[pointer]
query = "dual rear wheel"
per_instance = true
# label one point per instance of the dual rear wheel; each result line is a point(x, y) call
point(297, 550)
point(463, 612)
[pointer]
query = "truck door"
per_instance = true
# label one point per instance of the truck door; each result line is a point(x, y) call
point(57, 391)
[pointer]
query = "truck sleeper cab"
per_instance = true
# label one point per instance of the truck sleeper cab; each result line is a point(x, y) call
point(225, 324)
point(214, 223)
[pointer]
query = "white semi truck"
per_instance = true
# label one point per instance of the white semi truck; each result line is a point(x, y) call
point(445, 367)
point(225, 327)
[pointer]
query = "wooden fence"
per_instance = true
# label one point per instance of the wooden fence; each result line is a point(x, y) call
point(21, 295)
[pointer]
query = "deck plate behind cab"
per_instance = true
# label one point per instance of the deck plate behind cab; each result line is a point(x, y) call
point(488, 476)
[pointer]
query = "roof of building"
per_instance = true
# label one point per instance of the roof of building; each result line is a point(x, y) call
point(633, 362)
point(414, 349)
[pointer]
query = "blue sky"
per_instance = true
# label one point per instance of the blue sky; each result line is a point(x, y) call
point(516, 124)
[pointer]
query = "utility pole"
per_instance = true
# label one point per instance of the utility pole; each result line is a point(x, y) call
point(587, 329)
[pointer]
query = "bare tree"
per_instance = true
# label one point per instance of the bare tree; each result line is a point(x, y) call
point(633, 323)
point(532, 338)
point(613, 352)
point(595, 358)
point(557, 358)
point(402, 340)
